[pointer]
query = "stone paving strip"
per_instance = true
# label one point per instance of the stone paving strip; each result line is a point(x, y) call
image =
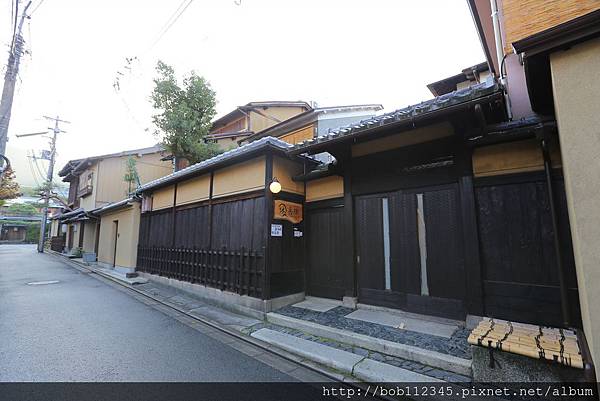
point(361, 367)
point(365, 353)
point(403, 323)
point(423, 356)
point(317, 304)
point(457, 345)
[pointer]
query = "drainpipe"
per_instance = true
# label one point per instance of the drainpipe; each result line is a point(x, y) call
point(500, 55)
point(564, 296)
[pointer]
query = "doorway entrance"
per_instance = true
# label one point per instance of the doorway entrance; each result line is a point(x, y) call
point(115, 237)
point(409, 250)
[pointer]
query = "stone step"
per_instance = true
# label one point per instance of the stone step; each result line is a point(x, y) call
point(426, 357)
point(346, 362)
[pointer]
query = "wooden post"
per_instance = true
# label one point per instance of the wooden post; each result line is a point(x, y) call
point(174, 215)
point(268, 221)
point(351, 289)
point(474, 283)
point(210, 207)
point(564, 292)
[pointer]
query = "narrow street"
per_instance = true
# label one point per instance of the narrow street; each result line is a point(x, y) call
point(80, 329)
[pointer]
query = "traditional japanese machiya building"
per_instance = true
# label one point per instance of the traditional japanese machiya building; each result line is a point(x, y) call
point(441, 208)
point(98, 181)
point(218, 226)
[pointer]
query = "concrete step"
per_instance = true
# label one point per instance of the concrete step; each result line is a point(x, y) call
point(426, 357)
point(121, 276)
point(360, 367)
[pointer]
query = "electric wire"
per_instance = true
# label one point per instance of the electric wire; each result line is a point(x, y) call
point(172, 20)
point(36, 7)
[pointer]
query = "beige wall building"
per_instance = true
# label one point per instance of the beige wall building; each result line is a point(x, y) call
point(253, 117)
point(99, 181)
point(118, 235)
point(576, 87)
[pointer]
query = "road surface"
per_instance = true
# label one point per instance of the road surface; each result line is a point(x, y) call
point(81, 329)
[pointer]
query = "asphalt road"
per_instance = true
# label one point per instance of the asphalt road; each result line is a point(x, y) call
point(81, 329)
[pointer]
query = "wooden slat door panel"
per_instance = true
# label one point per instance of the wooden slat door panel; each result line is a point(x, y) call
point(445, 256)
point(519, 270)
point(369, 243)
point(327, 256)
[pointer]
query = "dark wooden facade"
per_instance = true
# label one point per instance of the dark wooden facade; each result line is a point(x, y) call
point(219, 245)
point(226, 243)
point(414, 230)
point(489, 242)
point(518, 262)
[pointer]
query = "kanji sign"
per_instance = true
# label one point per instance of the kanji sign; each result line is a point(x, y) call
point(289, 211)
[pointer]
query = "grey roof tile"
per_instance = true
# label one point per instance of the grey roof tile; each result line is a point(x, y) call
point(428, 106)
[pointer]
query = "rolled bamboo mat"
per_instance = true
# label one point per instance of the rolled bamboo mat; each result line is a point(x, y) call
point(558, 345)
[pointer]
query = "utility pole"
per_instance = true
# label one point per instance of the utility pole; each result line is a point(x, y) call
point(10, 77)
point(48, 185)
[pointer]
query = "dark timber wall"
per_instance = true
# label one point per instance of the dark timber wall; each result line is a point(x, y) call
point(519, 269)
point(222, 248)
point(328, 260)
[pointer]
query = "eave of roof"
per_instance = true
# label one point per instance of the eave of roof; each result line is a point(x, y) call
point(113, 206)
point(76, 165)
point(491, 61)
point(438, 86)
point(229, 134)
point(424, 110)
point(267, 143)
point(565, 34)
point(240, 110)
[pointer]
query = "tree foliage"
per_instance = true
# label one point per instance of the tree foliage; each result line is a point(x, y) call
point(9, 188)
point(131, 176)
point(22, 209)
point(184, 114)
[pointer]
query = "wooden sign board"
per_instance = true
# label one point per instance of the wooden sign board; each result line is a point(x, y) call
point(289, 211)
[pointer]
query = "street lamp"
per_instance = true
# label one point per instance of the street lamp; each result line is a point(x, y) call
point(275, 186)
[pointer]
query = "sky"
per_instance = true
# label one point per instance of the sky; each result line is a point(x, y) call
point(332, 52)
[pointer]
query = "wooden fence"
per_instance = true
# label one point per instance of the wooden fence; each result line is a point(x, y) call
point(57, 244)
point(238, 271)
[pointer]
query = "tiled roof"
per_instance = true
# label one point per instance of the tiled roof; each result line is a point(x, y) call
point(215, 161)
point(405, 114)
point(77, 163)
point(111, 206)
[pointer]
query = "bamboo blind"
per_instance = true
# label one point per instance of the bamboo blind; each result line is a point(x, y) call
point(558, 345)
point(523, 18)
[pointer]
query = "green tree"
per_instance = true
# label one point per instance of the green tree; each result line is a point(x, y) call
point(9, 188)
point(131, 176)
point(22, 209)
point(184, 114)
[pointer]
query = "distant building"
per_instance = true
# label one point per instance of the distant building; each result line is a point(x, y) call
point(466, 78)
point(13, 232)
point(315, 123)
point(98, 181)
point(253, 117)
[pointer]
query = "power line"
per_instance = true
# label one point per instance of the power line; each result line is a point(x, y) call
point(36, 7)
point(171, 23)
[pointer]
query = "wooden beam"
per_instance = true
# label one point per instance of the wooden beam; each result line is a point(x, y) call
point(351, 284)
point(268, 221)
point(210, 209)
point(174, 215)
